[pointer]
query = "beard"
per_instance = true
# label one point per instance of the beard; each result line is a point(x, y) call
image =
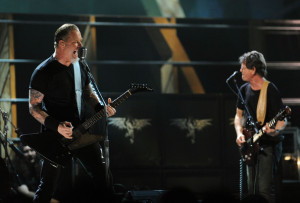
point(74, 60)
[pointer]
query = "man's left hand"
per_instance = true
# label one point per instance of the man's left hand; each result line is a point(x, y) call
point(269, 131)
point(110, 110)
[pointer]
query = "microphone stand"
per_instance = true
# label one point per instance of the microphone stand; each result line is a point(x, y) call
point(17, 130)
point(4, 143)
point(106, 141)
point(249, 117)
point(251, 123)
point(5, 129)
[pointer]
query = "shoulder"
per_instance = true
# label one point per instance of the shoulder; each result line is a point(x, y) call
point(273, 91)
point(41, 74)
point(273, 88)
point(45, 65)
point(44, 69)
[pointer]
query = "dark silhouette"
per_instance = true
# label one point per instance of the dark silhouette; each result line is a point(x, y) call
point(178, 195)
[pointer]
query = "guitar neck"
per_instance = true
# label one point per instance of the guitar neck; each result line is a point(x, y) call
point(257, 135)
point(91, 121)
point(120, 99)
point(261, 132)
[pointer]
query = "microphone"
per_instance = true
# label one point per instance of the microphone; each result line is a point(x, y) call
point(82, 52)
point(233, 75)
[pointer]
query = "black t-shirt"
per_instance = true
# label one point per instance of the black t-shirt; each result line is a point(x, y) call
point(29, 173)
point(274, 103)
point(56, 82)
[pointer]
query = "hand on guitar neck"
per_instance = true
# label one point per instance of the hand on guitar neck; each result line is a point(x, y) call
point(110, 110)
point(273, 131)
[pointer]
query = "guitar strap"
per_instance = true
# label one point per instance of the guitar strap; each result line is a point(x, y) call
point(261, 108)
point(78, 88)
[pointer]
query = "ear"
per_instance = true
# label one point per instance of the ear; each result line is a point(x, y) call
point(254, 70)
point(62, 43)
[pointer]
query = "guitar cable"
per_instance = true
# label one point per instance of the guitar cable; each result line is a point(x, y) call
point(241, 179)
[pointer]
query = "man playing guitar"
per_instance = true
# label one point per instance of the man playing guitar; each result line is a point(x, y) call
point(264, 102)
point(58, 94)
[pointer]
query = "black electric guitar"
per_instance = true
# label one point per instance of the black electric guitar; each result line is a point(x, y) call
point(57, 149)
point(251, 147)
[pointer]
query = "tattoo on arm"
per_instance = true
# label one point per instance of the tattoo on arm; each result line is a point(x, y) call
point(90, 96)
point(35, 105)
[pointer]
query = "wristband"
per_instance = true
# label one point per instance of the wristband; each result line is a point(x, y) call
point(277, 131)
point(51, 123)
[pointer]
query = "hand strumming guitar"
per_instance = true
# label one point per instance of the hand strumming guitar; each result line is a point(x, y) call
point(238, 120)
point(240, 139)
point(65, 129)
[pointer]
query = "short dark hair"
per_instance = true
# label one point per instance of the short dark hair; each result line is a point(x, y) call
point(62, 33)
point(255, 59)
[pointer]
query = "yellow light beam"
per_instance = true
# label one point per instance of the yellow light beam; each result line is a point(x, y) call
point(179, 54)
point(12, 78)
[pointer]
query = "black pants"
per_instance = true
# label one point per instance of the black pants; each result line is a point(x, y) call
point(57, 182)
point(261, 175)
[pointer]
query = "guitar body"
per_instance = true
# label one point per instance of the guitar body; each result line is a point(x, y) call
point(251, 147)
point(57, 149)
point(81, 138)
point(249, 150)
point(48, 146)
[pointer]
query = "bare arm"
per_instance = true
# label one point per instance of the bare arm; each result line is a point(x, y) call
point(35, 109)
point(280, 125)
point(90, 96)
point(238, 120)
point(35, 106)
point(93, 100)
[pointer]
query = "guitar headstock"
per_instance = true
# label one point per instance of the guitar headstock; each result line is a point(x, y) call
point(285, 112)
point(139, 88)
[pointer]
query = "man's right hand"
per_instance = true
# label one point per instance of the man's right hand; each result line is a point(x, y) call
point(65, 129)
point(23, 189)
point(240, 139)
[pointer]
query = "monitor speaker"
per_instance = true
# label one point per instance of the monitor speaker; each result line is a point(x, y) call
point(291, 154)
point(146, 196)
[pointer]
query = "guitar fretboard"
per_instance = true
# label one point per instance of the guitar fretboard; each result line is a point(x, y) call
point(91, 121)
point(261, 132)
